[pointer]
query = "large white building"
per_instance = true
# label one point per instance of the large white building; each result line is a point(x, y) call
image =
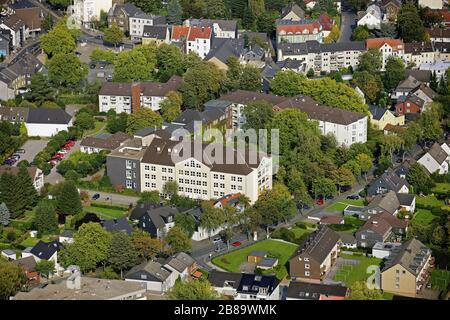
point(372, 17)
point(432, 4)
point(388, 47)
point(193, 39)
point(138, 21)
point(87, 11)
point(129, 97)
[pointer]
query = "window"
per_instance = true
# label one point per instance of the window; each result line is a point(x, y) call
point(307, 273)
point(233, 178)
point(216, 185)
point(216, 176)
point(306, 259)
point(204, 175)
point(222, 185)
point(180, 180)
point(153, 176)
point(239, 179)
point(170, 170)
point(147, 176)
point(128, 164)
point(147, 168)
point(307, 266)
point(222, 177)
point(153, 168)
point(147, 184)
point(180, 172)
point(164, 170)
point(204, 183)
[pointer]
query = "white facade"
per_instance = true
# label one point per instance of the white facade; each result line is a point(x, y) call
point(86, 11)
point(123, 103)
point(432, 165)
point(200, 46)
point(355, 132)
point(46, 129)
point(383, 250)
point(387, 51)
point(432, 4)
point(158, 286)
point(15, 35)
point(438, 66)
point(137, 24)
point(372, 18)
point(418, 59)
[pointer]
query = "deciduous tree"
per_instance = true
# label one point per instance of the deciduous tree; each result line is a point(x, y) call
point(178, 240)
point(144, 118)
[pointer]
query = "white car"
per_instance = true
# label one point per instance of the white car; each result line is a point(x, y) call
point(62, 151)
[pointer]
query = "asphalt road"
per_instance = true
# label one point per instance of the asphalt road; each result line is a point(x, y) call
point(348, 23)
point(113, 197)
point(32, 148)
point(54, 177)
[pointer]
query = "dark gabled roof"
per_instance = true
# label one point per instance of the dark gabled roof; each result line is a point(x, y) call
point(318, 245)
point(223, 48)
point(313, 46)
point(443, 47)
point(115, 89)
point(109, 142)
point(313, 291)
point(250, 283)
point(155, 32)
point(44, 250)
point(156, 215)
point(187, 116)
point(14, 22)
point(420, 75)
point(438, 153)
point(225, 25)
point(388, 202)
point(377, 111)
point(219, 279)
point(120, 224)
point(48, 116)
point(295, 8)
point(376, 225)
point(439, 32)
point(157, 89)
point(261, 254)
point(141, 209)
point(21, 4)
point(411, 255)
point(180, 262)
point(427, 90)
point(28, 263)
point(145, 132)
point(408, 84)
point(131, 9)
point(418, 47)
point(152, 269)
point(391, 180)
point(245, 97)
point(405, 199)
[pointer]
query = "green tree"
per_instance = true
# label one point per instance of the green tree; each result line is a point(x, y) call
point(117, 123)
point(131, 66)
point(212, 217)
point(178, 240)
point(359, 291)
point(85, 121)
point(61, 4)
point(215, 9)
point(171, 106)
point(40, 89)
point(59, 40)
point(409, 24)
point(144, 118)
point(4, 214)
point(122, 254)
point(334, 35)
point(46, 268)
point(47, 23)
point(11, 195)
point(192, 8)
point(370, 61)
point(438, 236)
point(187, 223)
point(419, 179)
point(324, 187)
point(45, 220)
point(360, 33)
point(200, 84)
point(359, 5)
point(29, 195)
point(250, 79)
point(310, 74)
point(193, 290)
point(148, 5)
point(369, 83)
point(150, 197)
point(170, 61)
point(430, 123)
point(170, 188)
point(89, 249)
point(275, 205)
point(114, 35)
point(258, 114)
point(174, 12)
point(364, 161)
point(66, 70)
point(395, 72)
point(146, 247)
point(12, 278)
point(68, 200)
point(344, 177)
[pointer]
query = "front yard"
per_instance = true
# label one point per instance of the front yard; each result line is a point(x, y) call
point(349, 274)
point(440, 279)
point(430, 200)
point(107, 213)
point(441, 188)
point(283, 251)
point(341, 205)
point(423, 217)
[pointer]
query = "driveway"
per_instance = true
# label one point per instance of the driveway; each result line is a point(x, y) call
point(54, 177)
point(114, 198)
point(348, 23)
point(32, 148)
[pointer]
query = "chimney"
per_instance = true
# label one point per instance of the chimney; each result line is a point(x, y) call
point(135, 97)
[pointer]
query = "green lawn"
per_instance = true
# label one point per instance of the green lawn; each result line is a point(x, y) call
point(430, 201)
point(442, 187)
point(351, 274)
point(233, 260)
point(299, 232)
point(31, 242)
point(423, 217)
point(440, 279)
point(341, 205)
point(106, 213)
point(99, 127)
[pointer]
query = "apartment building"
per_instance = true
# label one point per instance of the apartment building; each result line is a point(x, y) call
point(314, 258)
point(323, 57)
point(149, 165)
point(407, 270)
point(193, 39)
point(129, 97)
point(388, 47)
point(120, 15)
point(222, 29)
point(87, 11)
point(291, 31)
point(140, 20)
point(439, 67)
point(419, 52)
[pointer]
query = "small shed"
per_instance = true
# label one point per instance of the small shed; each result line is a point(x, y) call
point(9, 254)
point(352, 210)
point(256, 256)
point(267, 263)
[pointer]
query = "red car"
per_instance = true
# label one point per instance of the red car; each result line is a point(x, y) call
point(320, 202)
point(59, 155)
point(236, 244)
point(70, 143)
point(66, 148)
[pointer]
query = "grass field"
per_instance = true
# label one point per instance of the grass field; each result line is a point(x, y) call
point(440, 279)
point(430, 201)
point(233, 260)
point(423, 217)
point(351, 274)
point(99, 127)
point(299, 232)
point(442, 187)
point(31, 242)
point(106, 213)
point(341, 205)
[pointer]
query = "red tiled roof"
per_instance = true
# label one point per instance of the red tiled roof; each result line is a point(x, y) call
point(228, 198)
point(199, 33)
point(379, 42)
point(332, 220)
point(179, 32)
point(326, 21)
point(299, 28)
point(444, 14)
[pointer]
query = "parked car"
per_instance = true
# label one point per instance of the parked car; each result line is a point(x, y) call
point(219, 249)
point(353, 197)
point(20, 151)
point(441, 196)
point(109, 78)
point(320, 202)
point(217, 240)
point(10, 162)
point(59, 155)
point(62, 151)
point(70, 143)
point(236, 244)
point(96, 196)
point(52, 163)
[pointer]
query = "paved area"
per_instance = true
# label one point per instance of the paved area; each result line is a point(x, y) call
point(113, 198)
point(54, 177)
point(348, 23)
point(32, 148)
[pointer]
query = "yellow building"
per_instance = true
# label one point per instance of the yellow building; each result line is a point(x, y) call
point(380, 117)
point(407, 269)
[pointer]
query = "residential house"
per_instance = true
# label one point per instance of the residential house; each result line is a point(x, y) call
point(292, 31)
point(425, 93)
point(380, 117)
point(76, 287)
point(411, 104)
point(383, 250)
point(407, 270)
point(423, 76)
point(28, 266)
point(315, 291)
point(193, 39)
point(211, 118)
point(417, 53)
point(222, 29)
point(439, 35)
point(314, 258)
point(30, 14)
point(405, 87)
point(243, 286)
point(103, 141)
point(373, 231)
point(387, 182)
point(183, 265)
point(310, 4)
point(155, 35)
point(9, 254)
point(140, 20)
point(158, 221)
point(200, 232)
point(231, 200)
point(371, 18)
point(155, 276)
point(117, 225)
point(47, 251)
point(86, 11)
point(332, 219)
point(35, 173)
point(442, 52)
point(66, 237)
point(391, 9)
point(390, 202)
point(347, 240)
point(130, 97)
point(438, 66)
point(432, 4)
point(17, 29)
point(388, 47)
point(292, 12)
point(120, 14)
point(437, 159)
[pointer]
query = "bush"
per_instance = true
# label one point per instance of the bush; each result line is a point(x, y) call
point(284, 234)
point(341, 227)
point(300, 225)
point(105, 206)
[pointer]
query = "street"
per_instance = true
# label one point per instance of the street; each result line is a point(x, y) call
point(114, 198)
point(348, 18)
point(32, 148)
point(54, 177)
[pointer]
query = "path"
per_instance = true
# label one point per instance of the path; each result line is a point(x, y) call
point(348, 18)
point(114, 198)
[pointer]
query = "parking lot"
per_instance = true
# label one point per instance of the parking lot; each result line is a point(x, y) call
point(32, 148)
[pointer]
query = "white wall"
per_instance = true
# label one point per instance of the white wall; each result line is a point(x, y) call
point(46, 130)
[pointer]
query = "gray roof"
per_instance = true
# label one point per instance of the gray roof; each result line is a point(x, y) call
point(225, 25)
point(388, 202)
point(316, 47)
point(347, 238)
point(219, 279)
point(153, 269)
point(131, 9)
point(295, 8)
point(438, 153)
point(155, 32)
point(145, 132)
point(267, 262)
point(412, 255)
point(44, 250)
point(181, 261)
point(405, 199)
point(313, 291)
point(377, 111)
point(408, 84)
point(318, 245)
point(48, 116)
point(120, 224)
point(28, 263)
point(157, 214)
point(8, 252)
point(420, 75)
point(389, 179)
point(257, 254)
point(222, 49)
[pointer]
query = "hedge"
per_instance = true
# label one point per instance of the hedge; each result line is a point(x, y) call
point(105, 206)
point(424, 206)
point(22, 225)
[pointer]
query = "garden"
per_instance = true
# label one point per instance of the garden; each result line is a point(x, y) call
point(341, 205)
point(351, 273)
point(283, 251)
point(106, 211)
point(440, 279)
